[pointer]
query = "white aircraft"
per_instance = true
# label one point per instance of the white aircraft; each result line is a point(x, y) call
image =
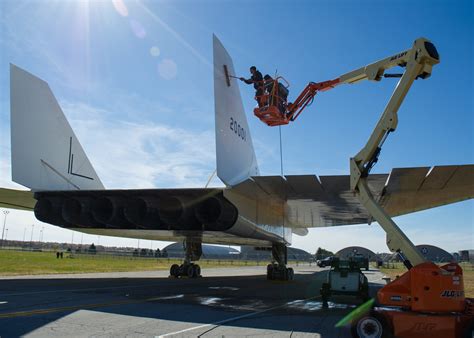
point(261, 211)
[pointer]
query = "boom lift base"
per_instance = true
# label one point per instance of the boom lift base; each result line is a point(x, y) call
point(426, 301)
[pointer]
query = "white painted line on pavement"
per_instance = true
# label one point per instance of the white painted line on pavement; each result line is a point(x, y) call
point(233, 318)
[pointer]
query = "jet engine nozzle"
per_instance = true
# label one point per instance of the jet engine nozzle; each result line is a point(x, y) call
point(216, 213)
point(178, 213)
point(143, 212)
point(77, 210)
point(110, 211)
point(48, 210)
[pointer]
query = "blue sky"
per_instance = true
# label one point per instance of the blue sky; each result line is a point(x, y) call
point(135, 80)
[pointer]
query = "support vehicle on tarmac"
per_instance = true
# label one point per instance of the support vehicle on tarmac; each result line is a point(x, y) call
point(345, 278)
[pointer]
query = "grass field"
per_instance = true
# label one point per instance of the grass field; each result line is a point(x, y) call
point(468, 274)
point(33, 263)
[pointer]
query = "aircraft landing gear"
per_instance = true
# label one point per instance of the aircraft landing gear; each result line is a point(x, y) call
point(192, 252)
point(189, 270)
point(277, 270)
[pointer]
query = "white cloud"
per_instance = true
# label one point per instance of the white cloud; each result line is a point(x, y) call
point(131, 154)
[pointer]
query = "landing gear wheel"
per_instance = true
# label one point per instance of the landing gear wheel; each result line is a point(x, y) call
point(372, 325)
point(270, 272)
point(290, 273)
point(284, 272)
point(197, 271)
point(279, 272)
point(190, 271)
point(274, 275)
point(174, 270)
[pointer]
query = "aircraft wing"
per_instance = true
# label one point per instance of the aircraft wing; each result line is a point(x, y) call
point(328, 201)
point(294, 201)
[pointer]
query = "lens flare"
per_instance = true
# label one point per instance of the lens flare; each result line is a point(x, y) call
point(120, 7)
point(167, 69)
point(155, 51)
point(137, 29)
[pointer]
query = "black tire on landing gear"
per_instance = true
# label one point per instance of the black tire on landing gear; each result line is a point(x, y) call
point(174, 270)
point(276, 273)
point(371, 325)
point(284, 274)
point(197, 271)
point(190, 271)
point(290, 273)
point(270, 272)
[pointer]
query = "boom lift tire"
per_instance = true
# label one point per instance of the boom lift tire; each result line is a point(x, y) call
point(373, 325)
point(469, 332)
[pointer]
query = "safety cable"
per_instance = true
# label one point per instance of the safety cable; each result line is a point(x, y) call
point(281, 153)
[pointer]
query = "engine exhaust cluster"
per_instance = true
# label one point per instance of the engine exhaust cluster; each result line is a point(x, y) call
point(179, 213)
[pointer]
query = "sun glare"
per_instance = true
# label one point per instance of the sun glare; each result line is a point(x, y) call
point(120, 7)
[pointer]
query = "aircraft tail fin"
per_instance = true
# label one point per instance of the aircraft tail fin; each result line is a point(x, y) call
point(46, 154)
point(235, 154)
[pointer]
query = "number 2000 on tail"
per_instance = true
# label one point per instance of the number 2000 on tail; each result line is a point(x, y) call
point(237, 129)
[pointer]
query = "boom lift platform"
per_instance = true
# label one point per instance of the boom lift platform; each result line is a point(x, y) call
point(276, 111)
point(428, 300)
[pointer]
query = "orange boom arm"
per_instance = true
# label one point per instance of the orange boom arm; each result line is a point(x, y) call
point(307, 96)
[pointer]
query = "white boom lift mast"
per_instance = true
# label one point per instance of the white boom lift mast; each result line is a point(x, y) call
point(418, 62)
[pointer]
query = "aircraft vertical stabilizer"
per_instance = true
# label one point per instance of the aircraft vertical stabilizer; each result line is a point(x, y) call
point(46, 154)
point(236, 159)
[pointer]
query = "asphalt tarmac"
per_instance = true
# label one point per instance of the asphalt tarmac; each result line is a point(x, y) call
point(226, 302)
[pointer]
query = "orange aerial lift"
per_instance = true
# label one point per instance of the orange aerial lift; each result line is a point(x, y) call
point(428, 300)
point(276, 111)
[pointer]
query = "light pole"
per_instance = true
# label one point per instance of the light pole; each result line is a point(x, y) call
point(24, 235)
point(31, 239)
point(42, 233)
point(5, 212)
point(6, 234)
